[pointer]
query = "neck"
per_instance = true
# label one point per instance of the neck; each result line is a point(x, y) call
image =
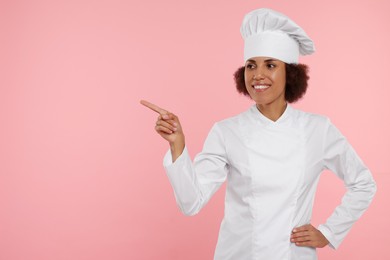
point(272, 112)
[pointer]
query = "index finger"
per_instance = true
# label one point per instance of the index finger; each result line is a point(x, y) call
point(301, 228)
point(154, 107)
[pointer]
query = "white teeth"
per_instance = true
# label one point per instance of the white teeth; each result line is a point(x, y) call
point(261, 86)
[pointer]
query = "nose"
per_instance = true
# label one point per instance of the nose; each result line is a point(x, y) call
point(258, 75)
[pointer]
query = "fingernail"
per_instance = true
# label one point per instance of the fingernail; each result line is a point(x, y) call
point(175, 124)
point(165, 116)
point(175, 129)
point(294, 230)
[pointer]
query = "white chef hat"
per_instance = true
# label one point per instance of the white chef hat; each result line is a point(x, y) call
point(271, 34)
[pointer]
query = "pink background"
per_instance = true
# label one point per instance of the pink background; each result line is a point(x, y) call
point(80, 164)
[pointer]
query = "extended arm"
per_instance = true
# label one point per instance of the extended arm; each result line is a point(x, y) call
point(193, 183)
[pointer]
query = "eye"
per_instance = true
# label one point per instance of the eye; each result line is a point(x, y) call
point(250, 66)
point(271, 65)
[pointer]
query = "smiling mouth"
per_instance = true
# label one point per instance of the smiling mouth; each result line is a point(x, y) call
point(261, 87)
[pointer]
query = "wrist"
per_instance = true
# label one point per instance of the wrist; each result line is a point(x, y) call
point(177, 148)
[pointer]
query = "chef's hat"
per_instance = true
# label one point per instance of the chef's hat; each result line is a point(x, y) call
point(271, 34)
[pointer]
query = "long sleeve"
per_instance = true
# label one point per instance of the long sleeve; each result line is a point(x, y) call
point(194, 183)
point(341, 159)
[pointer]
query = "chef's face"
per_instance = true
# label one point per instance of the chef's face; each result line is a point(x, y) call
point(265, 80)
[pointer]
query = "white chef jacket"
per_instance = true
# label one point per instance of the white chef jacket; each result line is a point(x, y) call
point(272, 170)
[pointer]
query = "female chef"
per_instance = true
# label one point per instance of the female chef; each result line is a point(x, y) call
point(271, 155)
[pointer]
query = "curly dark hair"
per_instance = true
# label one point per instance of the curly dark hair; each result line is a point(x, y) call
point(296, 81)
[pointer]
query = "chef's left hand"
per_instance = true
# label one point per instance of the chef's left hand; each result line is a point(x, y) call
point(308, 235)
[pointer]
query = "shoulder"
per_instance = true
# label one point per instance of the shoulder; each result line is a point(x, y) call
point(310, 119)
point(234, 121)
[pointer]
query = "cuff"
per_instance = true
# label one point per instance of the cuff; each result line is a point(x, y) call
point(167, 161)
point(329, 236)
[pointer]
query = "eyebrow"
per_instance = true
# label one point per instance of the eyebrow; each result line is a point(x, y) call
point(267, 60)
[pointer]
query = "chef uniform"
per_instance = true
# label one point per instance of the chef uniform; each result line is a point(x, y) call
point(271, 167)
